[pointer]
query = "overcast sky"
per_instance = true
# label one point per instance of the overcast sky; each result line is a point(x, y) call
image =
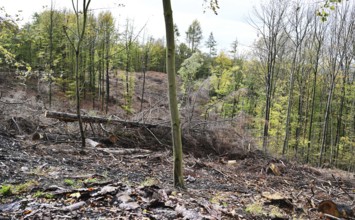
point(229, 24)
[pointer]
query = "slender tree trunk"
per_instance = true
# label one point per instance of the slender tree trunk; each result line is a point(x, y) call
point(267, 113)
point(299, 123)
point(289, 106)
point(310, 132)
point(128, 67)
point(102, 79)
point(145, 63)
point(107, 71)
point(339, 129)
point(326, 120)
point(82, 74)
point(50, 54)
point(99, 79)
point(173, 104)
point(269, 88)
point(77, 85)
point(92, 72)
point(77, 48)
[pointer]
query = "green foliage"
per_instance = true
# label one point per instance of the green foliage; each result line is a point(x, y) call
point(212, 5)
point(194, 35)
point(40, 194)
point(211, 44)
point(236, 84)
point(255, 208)
point(9, 42)
point(6, 190)
point(222, 75)
point(69, 182)
point(157, 56)
point(188, 71)
point(182, 53)
point(9, 189)
point(91, 180)
point(128, 97)
point(327, 8)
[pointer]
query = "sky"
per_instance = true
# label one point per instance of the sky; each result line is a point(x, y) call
point(231, 22)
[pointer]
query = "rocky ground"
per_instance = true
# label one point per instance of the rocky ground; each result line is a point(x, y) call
point(46, 175)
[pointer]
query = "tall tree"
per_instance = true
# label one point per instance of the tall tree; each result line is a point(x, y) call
point(271, 30)
point(234, 47)
point(76, 44)
point(340, 37)
point(92, 38)
point(194, 35)
point(50, 72)
point(145, 60)
point(188, 71)
point(211, 44)
point(297, 32)
point(129, 41)
point(316, 45)
point(107, 25)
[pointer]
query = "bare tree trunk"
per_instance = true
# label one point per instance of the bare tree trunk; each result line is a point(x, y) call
point(107, 70)
point(92, 71)
point(144, 69)
point(51, 54)
point(102, 79)
point(77, 48)
point(173, 104)
point(267, 115)
point(271, 18)
point(341, 36)
point(77, 84)
point(289, 106)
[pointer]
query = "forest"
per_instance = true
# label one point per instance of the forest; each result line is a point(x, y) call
point(295, 89)
point(291, 95)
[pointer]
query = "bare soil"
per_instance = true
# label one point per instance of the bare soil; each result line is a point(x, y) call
point(51, 177)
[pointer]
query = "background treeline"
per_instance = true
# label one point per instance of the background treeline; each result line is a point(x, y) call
point(293, 92)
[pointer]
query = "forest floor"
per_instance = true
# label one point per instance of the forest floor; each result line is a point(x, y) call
point(46, 175)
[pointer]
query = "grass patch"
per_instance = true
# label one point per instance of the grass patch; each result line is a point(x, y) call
point(6, 190)
point(21, 188)
point(255, 209)
point(219, 199)
point(91, 180)
point(69, 182)
point(40, 194)
point(9, 189)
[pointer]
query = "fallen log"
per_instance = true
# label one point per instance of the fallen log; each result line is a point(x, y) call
point(123, 151)
point(68, 117)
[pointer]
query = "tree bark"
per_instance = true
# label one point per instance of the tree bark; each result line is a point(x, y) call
point(50, 54)
point(107, 69)
point(175, 120)
point(144, 69)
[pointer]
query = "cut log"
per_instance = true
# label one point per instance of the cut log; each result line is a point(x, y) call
point(92, 143)
point(68, 117)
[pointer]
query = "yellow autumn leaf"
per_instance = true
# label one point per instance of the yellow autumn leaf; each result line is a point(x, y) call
point(75, 195)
